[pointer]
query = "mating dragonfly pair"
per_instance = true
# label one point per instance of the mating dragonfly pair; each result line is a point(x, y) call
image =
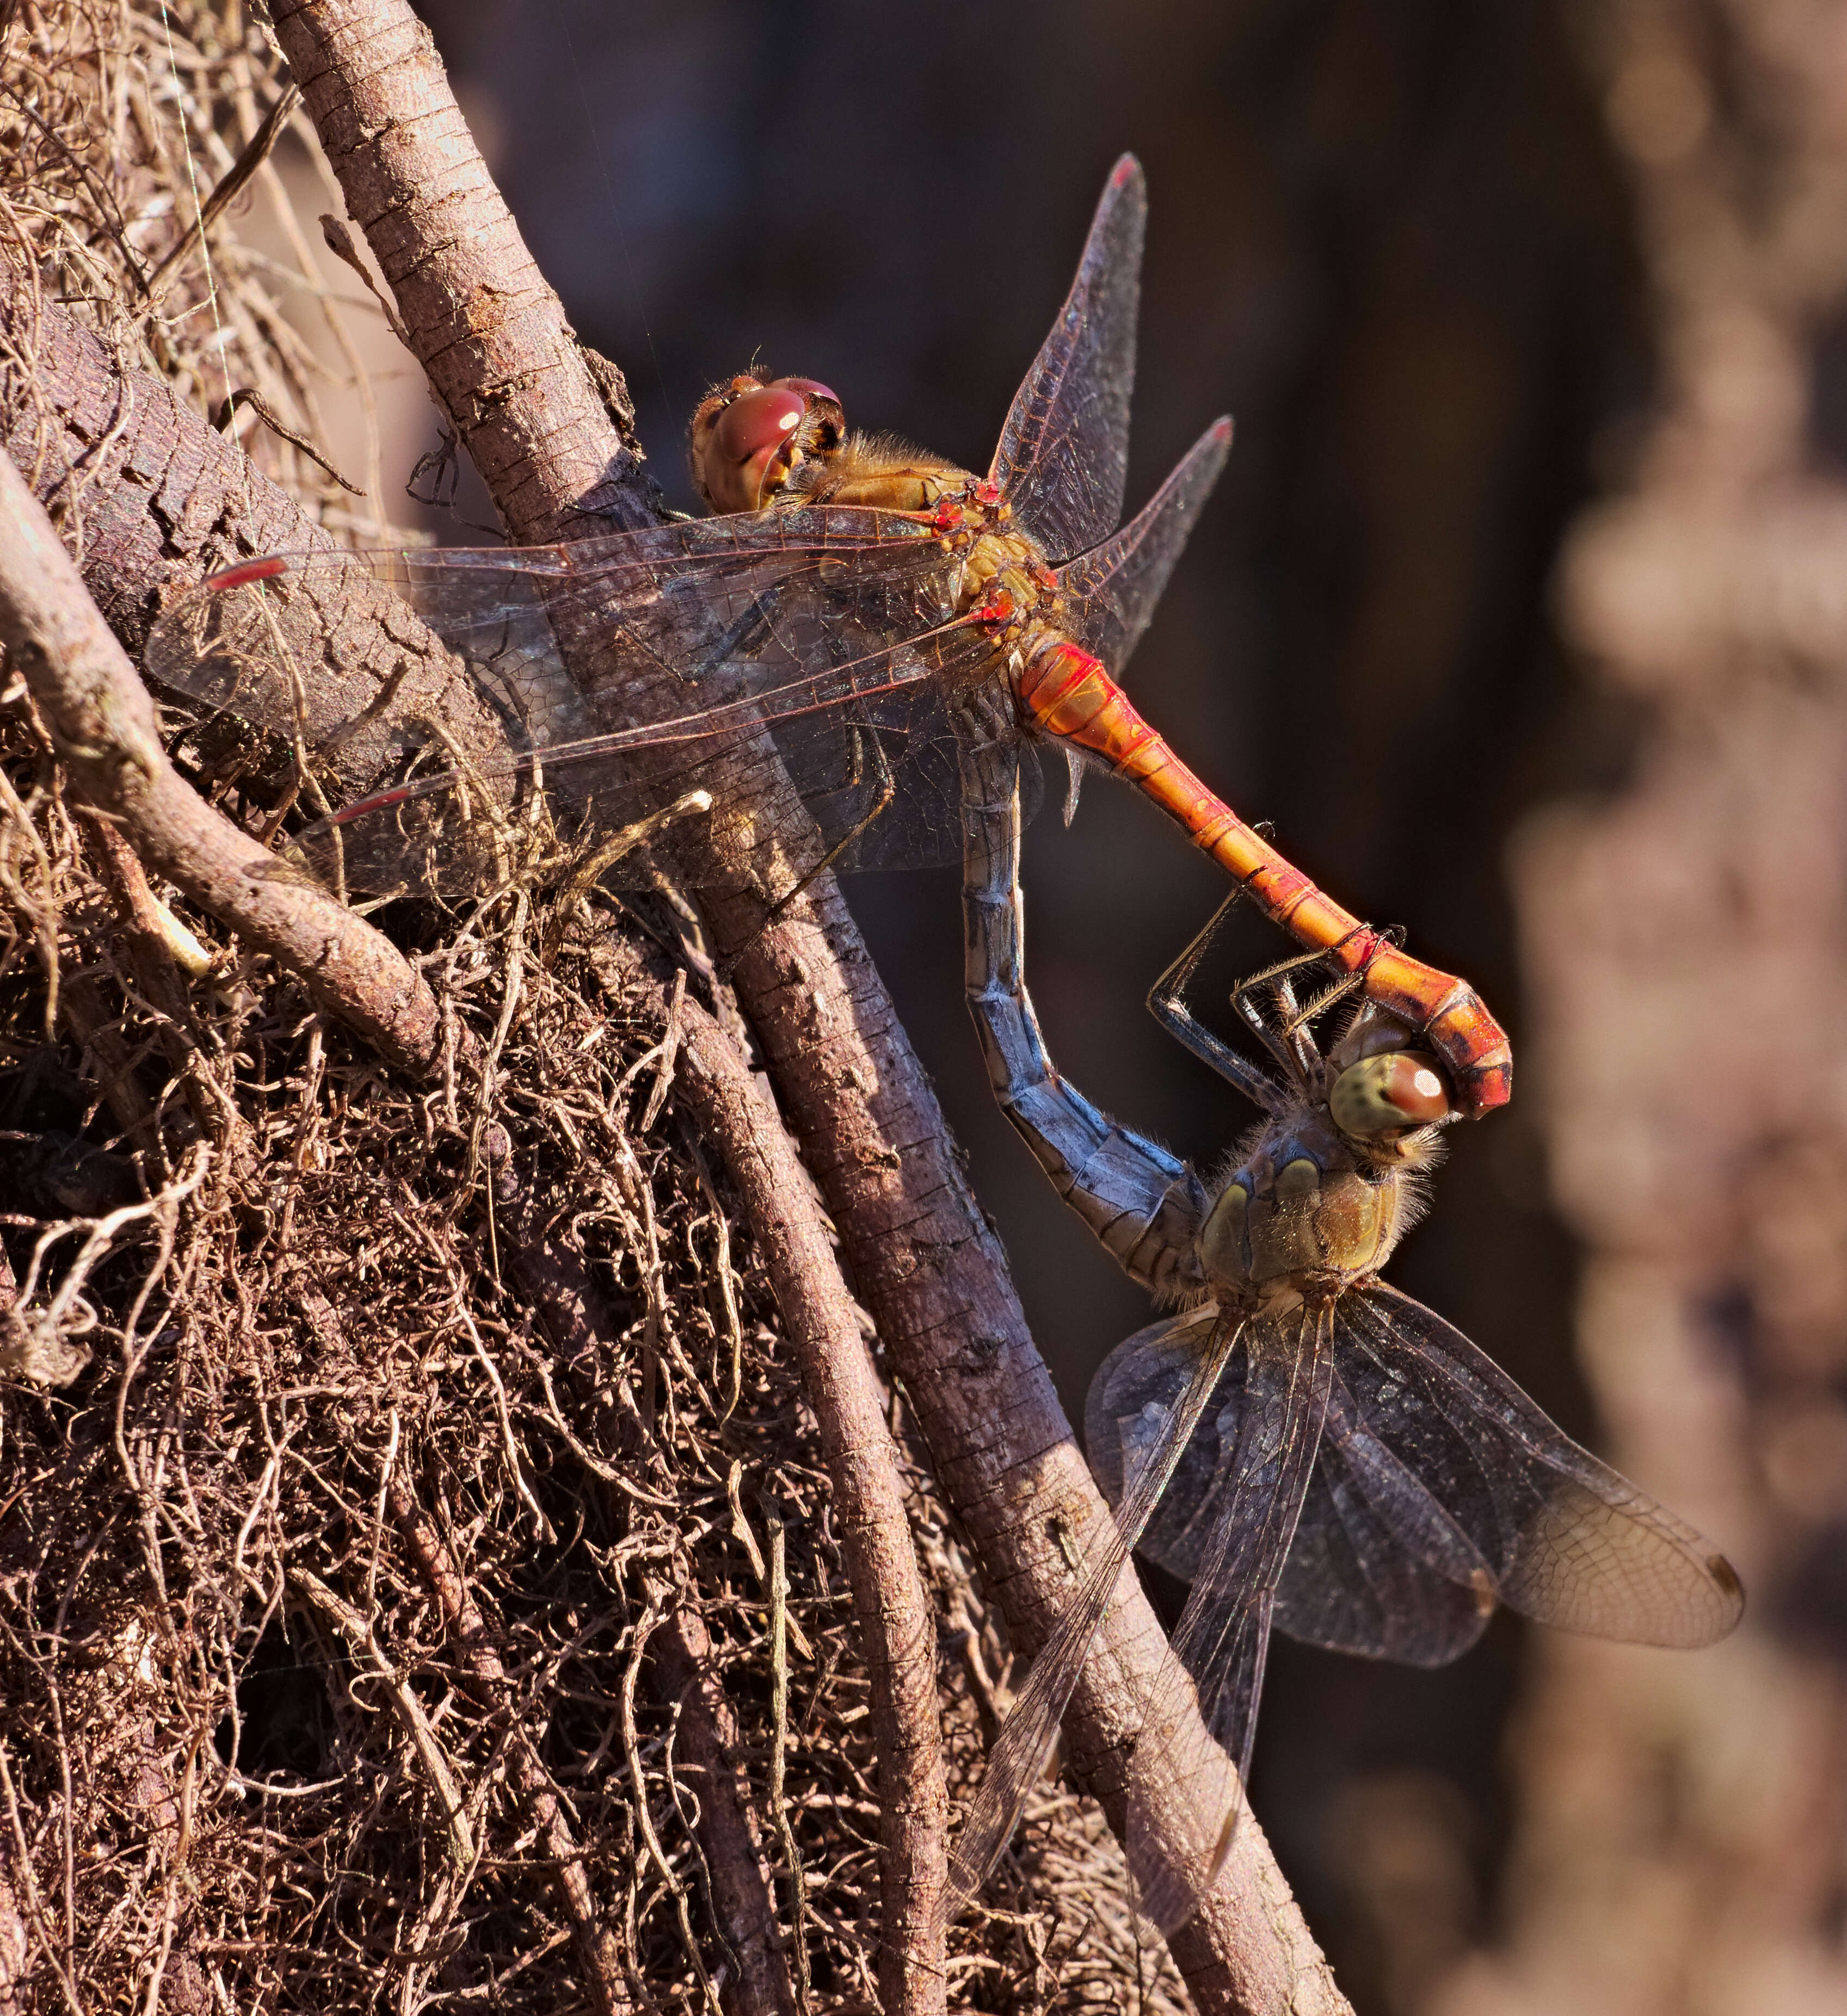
point(884, 633)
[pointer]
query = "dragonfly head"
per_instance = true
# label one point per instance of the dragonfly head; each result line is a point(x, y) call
point(1381, 1091)
point(1329, 1184)
point(749, 437)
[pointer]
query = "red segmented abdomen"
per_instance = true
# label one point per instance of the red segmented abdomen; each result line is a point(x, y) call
point(1066, 693)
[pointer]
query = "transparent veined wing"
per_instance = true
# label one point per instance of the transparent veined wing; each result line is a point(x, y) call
point(1192, 1754)
point(1063, 460)
point(819, 629)
point(1112, 589)
point(1202, 1341)
point(1377, 1567)
point(1565, 1539)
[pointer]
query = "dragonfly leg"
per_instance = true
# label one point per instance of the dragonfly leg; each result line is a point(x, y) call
point(1168, 1004)
point(1287, 1041)
point(1336, 991)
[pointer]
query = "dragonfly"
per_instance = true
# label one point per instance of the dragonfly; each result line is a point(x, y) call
point(822, 625)
point(1311, 1450)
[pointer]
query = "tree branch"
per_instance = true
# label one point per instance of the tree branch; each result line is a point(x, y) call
point(897, 1625)
point(103, 723)
point(682, 1653)
point(489, 332)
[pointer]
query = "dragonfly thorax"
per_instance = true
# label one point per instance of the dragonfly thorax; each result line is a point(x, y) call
point(1300, 1211)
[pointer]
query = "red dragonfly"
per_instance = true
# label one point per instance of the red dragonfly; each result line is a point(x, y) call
point(1311, 1450)
point(847, 594)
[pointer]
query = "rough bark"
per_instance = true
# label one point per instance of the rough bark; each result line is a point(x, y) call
point(478, 315)
point(708, 1736)
point(151, 500)
point(103, 720)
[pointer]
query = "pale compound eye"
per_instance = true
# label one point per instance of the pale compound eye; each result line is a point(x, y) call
point(1387, 1093)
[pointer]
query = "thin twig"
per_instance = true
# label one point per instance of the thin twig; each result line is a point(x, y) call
point(227, 191)
point(683, 1656)
point(779, 1751)
point(358, 1632)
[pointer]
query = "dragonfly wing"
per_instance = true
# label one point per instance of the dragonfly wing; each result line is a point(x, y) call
point(1192, 1752)
point(1378, 1567)
point(1062, 459)
point(882, 777)
point(321, 647)
point(708, 628)
point(1113, 588)
point(1201, 1343)
point(1133, 1393)
point(1565, 1539)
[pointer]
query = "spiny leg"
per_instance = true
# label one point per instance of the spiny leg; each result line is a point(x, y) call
point(1167, 1003)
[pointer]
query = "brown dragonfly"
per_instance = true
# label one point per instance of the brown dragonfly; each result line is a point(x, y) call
point(849, 592)
point(1311, 1450)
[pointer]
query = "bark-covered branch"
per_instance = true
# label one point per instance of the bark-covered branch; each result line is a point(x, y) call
point(489, 332)
point(894, 1615)
point(103, 720)
point(151, 500)
point(708, 1734)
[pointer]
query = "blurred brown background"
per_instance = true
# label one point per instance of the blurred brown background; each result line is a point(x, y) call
point(1522, 612)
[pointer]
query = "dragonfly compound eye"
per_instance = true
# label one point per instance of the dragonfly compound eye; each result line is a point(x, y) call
point(824, 421)
point(1387, 1093)
point(745, 459)
point(811, 388)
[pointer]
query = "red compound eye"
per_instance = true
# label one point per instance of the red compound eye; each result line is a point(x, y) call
point(747, 450)
point(744, 442)
point(812, 386)
point(756, 421)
